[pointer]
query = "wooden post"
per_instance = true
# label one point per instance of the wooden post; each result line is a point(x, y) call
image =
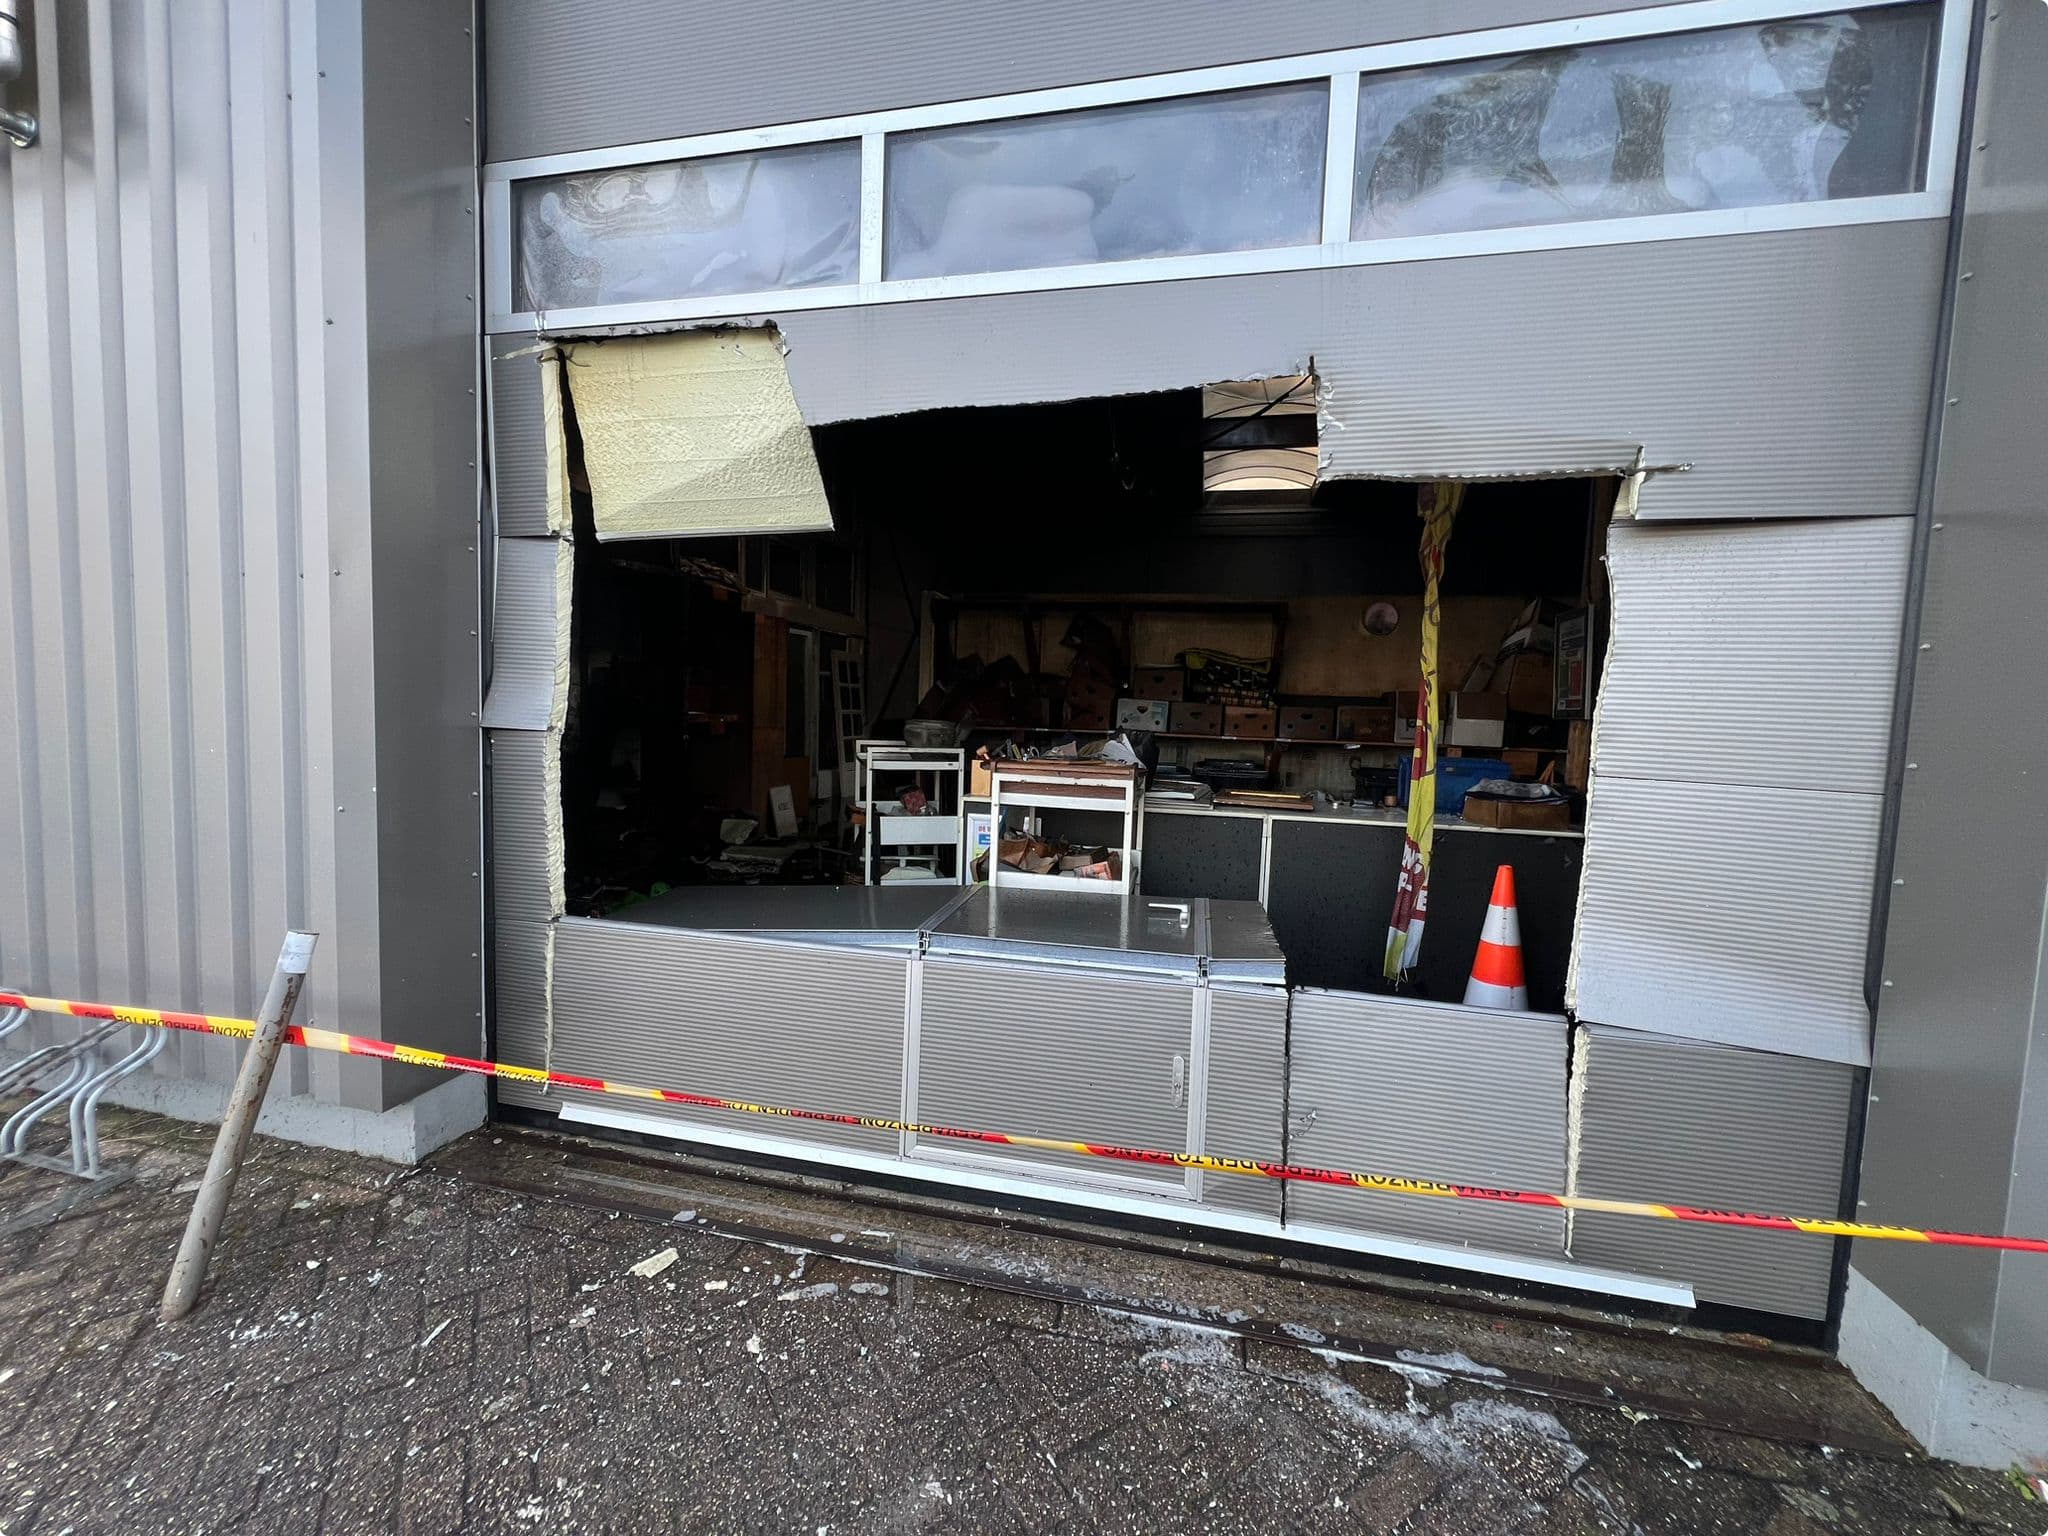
point(210, 1205)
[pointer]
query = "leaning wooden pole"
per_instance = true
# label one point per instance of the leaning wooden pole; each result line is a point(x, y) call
point(210, 1205)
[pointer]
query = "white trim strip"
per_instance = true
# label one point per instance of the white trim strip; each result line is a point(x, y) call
point(1565, 1276)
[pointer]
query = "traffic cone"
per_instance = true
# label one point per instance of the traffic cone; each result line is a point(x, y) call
point(1498, 980)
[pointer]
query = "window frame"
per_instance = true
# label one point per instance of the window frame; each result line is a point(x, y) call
point(1340, 69)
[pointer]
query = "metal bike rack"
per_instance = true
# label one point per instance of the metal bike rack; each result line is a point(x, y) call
point(75, 1074)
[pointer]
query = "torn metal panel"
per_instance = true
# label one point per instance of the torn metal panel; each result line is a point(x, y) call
point(1675, 1120)
point(1762, 653)
point(527, 849)
point(1390, 1085)
point(523, 974)
point(555, 433)
point(1732, 913)
point(527, 455)
point(530, 636)
point(1531, 364)
point(694, 433)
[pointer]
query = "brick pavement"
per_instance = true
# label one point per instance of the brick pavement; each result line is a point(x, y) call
point(420, 1353)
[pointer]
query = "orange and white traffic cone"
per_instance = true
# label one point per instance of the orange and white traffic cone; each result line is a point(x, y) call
point(1498, 980)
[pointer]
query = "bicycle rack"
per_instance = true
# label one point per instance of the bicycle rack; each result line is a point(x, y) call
point(75, 1074)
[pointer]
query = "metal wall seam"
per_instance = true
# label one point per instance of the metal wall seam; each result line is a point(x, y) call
point(1388, 1085)
point(771, 1024)
point(530, 636)
point(1759, 653)
point(1705, 1125)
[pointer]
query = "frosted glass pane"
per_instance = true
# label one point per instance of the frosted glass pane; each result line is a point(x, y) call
point(1235, 172)
point(1782, 112)
point(785, 218)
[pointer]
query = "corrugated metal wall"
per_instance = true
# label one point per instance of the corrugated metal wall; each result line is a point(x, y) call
point(191, 321)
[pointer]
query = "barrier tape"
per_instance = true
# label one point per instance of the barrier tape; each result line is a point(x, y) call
point(357, 1045)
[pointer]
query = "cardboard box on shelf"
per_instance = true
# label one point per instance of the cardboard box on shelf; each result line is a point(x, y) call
point(1524, 815)
point(1142, 714)
point(1525, 762)
point(1168, 683)
point(1365, 722)
point(1306, 722)
point(1249, 721)
point(1196, 719)
point(980, 778)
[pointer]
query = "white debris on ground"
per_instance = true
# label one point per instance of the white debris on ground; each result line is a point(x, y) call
point(1454, 1362)
point(816, 1292)
point(655, 1263)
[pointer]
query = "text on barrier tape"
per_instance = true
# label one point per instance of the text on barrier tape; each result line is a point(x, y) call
point(357, 1045)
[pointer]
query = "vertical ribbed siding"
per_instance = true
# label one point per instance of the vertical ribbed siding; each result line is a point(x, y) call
point(519, 447)
point(154, 807)
point(196, 290)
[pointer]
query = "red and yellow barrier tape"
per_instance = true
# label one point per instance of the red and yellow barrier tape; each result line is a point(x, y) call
point(356, 1045)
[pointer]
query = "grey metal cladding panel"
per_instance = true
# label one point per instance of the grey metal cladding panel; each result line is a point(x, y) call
point(525, 880)
point(1790, 369)
point(1733, 913)
point(1215, 856)
point(519, 447)
point(1960, 1082)
point(1425, 1091)
point(1070, 1054)
point(772, 1024)
point(520, 955)
point(1675, 1120)
point(1754, 653)
point(526, 640)
point(1247, 1094)
point(562, 77)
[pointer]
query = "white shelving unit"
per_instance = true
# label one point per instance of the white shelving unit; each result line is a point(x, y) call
point(1108, 790)
point(893, 840)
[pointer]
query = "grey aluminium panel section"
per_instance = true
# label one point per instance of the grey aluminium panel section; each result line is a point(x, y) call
point(1754, 653)
point(1957, 1132)
point(605, 71)
point(1067, 1053)
point(1420, 1090)
point(1735, 913)
point(419, 330)
point(1789, 369)
point(523, 956)
point(779, 1024)
point(529, 637)
point(519, 446)
point(526, 867)
point(1245, 1116)
point(1703, 1125)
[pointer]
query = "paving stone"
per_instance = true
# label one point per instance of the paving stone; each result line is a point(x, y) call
point(430, 1354)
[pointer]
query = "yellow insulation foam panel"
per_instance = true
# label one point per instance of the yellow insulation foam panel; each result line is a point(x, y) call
point(695, 433)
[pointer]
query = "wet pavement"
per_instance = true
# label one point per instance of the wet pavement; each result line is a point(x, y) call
point(538, 1335)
